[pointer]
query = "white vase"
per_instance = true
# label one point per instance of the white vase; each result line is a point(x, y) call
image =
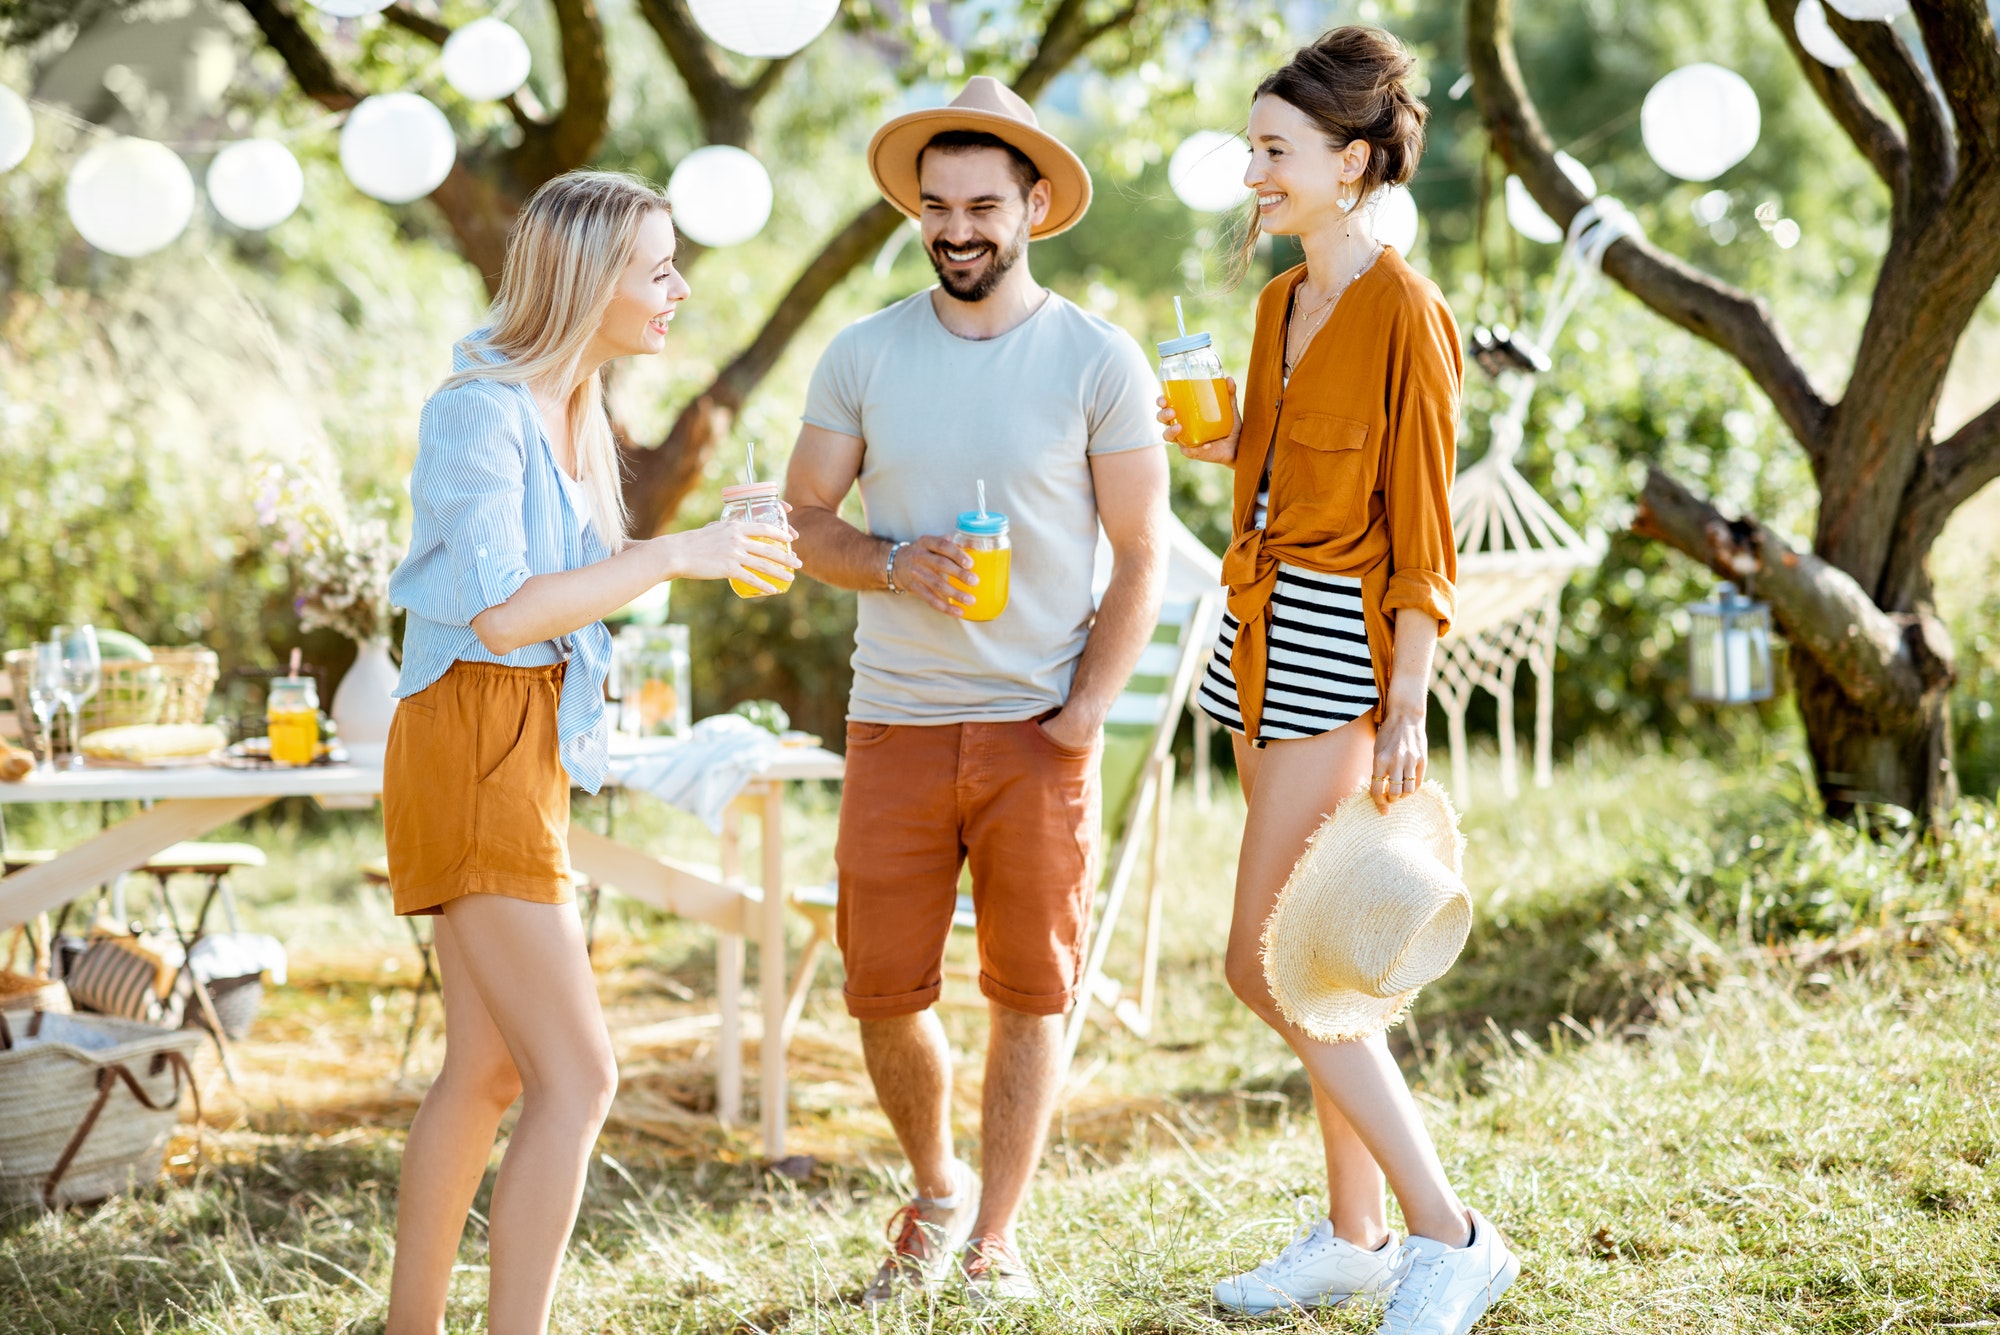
point(364, 704)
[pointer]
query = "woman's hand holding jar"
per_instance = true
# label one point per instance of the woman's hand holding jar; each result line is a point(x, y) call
point(1222, 450)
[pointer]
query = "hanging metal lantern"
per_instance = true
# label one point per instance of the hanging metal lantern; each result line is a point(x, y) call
point(1729, 649)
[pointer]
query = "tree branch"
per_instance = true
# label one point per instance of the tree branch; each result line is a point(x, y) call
point(1949, 474)
point(723, 106)
point(1065, 37)
point(424, 26)
point(1734, 321)
point(1885, 664)
point(1879, 141)
point(550, 148)
point(311, 70)
point(1910, 91)
point(1965, 55)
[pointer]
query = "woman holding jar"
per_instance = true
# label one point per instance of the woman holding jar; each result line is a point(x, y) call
point(517, 550)
point(1340, 579)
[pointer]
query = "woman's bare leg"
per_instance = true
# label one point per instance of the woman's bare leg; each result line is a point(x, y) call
point(445, 1156)
point(1291, 787)
point(528, 964)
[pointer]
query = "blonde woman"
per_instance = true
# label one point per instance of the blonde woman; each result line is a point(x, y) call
point(1340, 580)
point(518, 548)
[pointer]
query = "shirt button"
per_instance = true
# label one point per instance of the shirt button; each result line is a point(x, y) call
point(482, 553)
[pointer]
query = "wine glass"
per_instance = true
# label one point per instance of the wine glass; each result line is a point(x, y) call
point(82, 674)
point(45, 676)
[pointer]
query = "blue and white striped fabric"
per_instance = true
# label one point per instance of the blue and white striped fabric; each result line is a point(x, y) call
point(490, 510)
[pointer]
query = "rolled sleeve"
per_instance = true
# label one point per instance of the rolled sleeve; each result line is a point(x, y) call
point(470, 473)
point(1423, 549)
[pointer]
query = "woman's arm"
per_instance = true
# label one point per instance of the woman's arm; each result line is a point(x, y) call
point(547, 606)
point(1402, 745)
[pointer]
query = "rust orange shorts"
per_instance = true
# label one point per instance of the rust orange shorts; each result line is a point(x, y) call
point(920, 802)
point(475, 800)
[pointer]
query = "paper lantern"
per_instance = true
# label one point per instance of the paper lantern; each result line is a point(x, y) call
point(1396, 219)
point(766, 29)
point(17, 129)
point(1579, 175)
point(351, 9)
point(721, 195)
point(1526, 215)
point(1818, 37)
point(255, 183)
point(396, 147)
point(130, 197)
point(1206, 171)
point(1872, 9)
point(486, 60)
point(1700, 121)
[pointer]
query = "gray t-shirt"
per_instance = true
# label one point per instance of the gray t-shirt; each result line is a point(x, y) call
point(936, 413)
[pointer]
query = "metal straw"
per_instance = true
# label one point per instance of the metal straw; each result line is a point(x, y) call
point(1179, 318)
point(982, 498)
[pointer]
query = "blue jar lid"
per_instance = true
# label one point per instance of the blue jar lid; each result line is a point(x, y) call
point(1192, 343)
point(988, 524)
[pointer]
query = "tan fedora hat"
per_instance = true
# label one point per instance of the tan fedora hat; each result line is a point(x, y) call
point(992, 107)
point(1374, 909)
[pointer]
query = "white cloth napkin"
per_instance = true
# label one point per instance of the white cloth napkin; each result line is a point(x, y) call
point(703, 772)
point(235, 954)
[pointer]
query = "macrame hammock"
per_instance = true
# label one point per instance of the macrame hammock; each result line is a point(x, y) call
point(1515, 553)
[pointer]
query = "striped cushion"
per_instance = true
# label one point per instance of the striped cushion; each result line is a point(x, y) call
point(117, 977)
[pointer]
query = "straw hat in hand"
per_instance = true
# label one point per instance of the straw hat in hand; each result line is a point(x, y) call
point(1374, 910)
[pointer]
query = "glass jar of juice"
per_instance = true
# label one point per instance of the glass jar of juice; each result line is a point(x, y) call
point(983, 537)
point(1197, 391)
point(291, 712)
point(756, 503)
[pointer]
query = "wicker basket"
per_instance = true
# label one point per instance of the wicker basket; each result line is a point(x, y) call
point(87, 1105)
point(25, 994)
point(173, 688)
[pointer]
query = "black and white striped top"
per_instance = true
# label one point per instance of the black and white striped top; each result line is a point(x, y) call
point(1320, 674)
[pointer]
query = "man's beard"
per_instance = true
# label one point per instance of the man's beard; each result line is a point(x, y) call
point(982, 286)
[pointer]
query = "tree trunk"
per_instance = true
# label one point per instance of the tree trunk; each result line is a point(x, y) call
point(1862, 759)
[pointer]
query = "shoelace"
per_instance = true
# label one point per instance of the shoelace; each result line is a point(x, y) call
point(989, 1254)
point(1298, 1248)
point(1413, 1277)
point(907, 1236)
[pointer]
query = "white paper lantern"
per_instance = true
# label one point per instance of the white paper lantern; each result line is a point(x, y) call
point(1817, 36)
point(17, 129)
point(255, 183)
point(1526, 215)
point(1700, 121)
point(1396, 219)
point(721, 195)
point(1579, 175)
point(1872, 9)
point(352, 9)
point(396, 147)
point(130, 197)
point(486, 60)
point(1206, 171)
point(766, 29)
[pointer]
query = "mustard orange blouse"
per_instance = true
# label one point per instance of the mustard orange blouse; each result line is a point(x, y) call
point(1366, 440)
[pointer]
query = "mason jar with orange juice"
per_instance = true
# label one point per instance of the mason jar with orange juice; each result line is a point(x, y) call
point(291, 715)
point(1196, 389)
point(983, 537)
point(757, 503)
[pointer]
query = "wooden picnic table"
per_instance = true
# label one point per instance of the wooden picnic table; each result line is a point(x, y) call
point(186, 802)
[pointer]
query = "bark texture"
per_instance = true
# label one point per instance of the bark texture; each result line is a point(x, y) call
point(1872, 663)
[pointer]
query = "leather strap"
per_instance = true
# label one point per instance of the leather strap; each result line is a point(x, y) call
point(107, 1080)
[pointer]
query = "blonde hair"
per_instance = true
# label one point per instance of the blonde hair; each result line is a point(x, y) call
point(565, 252)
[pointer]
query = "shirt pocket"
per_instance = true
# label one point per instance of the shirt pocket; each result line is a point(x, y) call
point(1333, 469)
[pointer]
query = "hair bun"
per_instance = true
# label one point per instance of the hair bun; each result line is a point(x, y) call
point(1354, 83)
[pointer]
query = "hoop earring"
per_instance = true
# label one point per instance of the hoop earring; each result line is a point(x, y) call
point(1347, 202)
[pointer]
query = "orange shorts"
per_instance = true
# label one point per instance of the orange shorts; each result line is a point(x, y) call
point(921, 801)
point(475, 800)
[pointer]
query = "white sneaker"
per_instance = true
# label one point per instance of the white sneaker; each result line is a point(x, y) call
point(924, 1241)
point(1316, 1270)
point(1443, 1290)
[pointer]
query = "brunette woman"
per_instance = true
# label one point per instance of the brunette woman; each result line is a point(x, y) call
point(1340, 580)
point(518, 548)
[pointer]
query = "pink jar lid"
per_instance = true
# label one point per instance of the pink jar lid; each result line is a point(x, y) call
point(750, 491)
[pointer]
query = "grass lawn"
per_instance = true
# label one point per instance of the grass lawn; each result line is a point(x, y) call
point(1712, 1065)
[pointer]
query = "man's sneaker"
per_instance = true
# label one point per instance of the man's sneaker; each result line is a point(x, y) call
point(924, 1241)
point(995, 1273)
point(1442, 1290)
point(1316, 1270)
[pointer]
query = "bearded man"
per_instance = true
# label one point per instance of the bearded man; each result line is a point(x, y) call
point(976, 742)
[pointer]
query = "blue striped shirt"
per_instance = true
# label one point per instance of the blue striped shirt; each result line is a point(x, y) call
point(489, 510)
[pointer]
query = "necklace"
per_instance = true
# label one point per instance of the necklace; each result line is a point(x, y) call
point(1301, 339)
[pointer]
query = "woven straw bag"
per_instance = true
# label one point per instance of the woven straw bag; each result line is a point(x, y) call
point(87, 1104)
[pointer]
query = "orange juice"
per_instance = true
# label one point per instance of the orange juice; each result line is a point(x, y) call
point(784, 581)
point(989, 595)
point(1203, 407)
point(294, 736)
